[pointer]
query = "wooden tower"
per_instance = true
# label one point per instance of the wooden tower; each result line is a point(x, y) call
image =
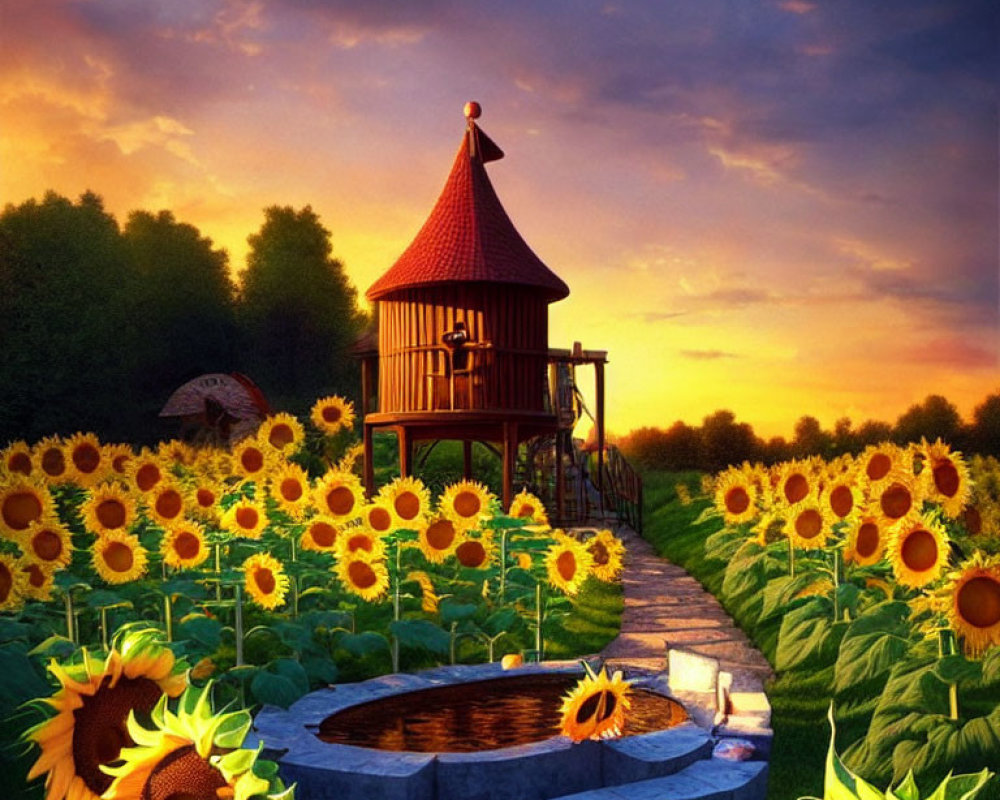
point(463, 327)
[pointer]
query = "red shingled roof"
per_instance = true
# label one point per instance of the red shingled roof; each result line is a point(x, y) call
point(468, 235)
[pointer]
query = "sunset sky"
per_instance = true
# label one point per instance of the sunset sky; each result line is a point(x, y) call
point(778, 207)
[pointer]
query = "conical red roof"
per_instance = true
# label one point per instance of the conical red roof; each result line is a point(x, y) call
point(468, 236)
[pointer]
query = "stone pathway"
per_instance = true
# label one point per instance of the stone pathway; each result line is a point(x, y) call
point(667, 608)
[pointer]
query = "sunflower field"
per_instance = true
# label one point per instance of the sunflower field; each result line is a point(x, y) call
point(876, 577)
point(138, 590)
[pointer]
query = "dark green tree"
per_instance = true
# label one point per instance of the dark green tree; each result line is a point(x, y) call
point(811, 439)
point(725, 441)
point(935, 418)
point(984, 433)
point(298, 311)
point(187, 304)
point(68, 311)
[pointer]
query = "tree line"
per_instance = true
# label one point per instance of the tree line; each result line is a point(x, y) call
point(720, 440)
point(101, 322)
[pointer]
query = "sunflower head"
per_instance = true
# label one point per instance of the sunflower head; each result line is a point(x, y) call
point(332, 414)
point(796, 481)
point(93, 704)
point(841, 495)
point(339, 495)
point(85, 461)
point(736, 496)
point(193, 754)
point(251, 460)
point(362, 575)
point(203, 496)
point(12, 583)
point(265, 580)
point(474, 551)
point(47, 543)
point(568, 563)
point(974, 603)
point(175, 452)
point(466, 503)
point(608, 554)
point(246, 518)
point(408, 500)
point(320, 535)
point(183, 545)
point(359, 540)
point(38, 581)
point(526, 506)
point(438, 539)
point(281, 432)
point(166, 502)
point(118, 557)
point(117, 457)
point(50, 460)
point(809, 523)
point(15, 458)
point(377, 516)
point(145, 471)
point(944, 477)
point(108, 508)
point(596, 707)
point(866, 540)
point(289, 486)
point(877, 462)
point(23, 502)
point(918, 551)
point(898, 496)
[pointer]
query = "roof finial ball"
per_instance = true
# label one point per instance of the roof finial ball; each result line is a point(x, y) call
point(473, 110)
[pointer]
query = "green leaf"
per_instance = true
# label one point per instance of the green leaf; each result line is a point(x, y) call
point(320, 670)
point(872, 644)
point(275, 690)
point(808, 636)
point(292, 670)
point(839, 782)
point(958, 669)
point(907, 790)
point(779, 593)
point(19, 680)
point(55, 646)
point(454, 612)
point(233, 730)
point(363, 644)
point(103, 597)
point(11, 629)
point(201, 629)
point(961, 787)
point(500, 621)
point(422, 634)
point(745, 573)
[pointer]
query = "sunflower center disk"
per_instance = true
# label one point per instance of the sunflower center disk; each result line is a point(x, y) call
point(147, 476)
point(252, 460)
point(380, 519)
point(896, 501)
point(737, 500)
point(407, 505)
point(47, 545)
point(467, 504)
point(187, 545)
point(118, 557)
point(111, 514)
point(946, 478)
point(20, 462)
point(340, 500)
point(979, 602)
point(53, 463)
point(99, 731)
point(247, 518)
point(841, 501)
point(360, 542)
point(324, 534)
point(600, 553)
point(441, 534)
point(566, 564)
point(331, 414)
point(796, 488)
point(362, 575)
point(291, 489)
point(868, 539)
point(169, 504)
point(183, 775)
point(878, 466)
point(264, 579)
point(470, 554)
point(808, 524)
point(20, 509)
point(86, 458)
point(206, 498)
point(919, 551)
point(280, 436)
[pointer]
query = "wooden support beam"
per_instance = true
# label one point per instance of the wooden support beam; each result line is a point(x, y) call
point(560, 493)
point(405, 451)
point(369, 465)
point(509, 461)
point(599, 374)
point(467, 458)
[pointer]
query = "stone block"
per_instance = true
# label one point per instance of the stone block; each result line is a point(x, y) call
point(691, 672)
point(653, 755)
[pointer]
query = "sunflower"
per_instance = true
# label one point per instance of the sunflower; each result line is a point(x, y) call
point(281, 432)
point(251, 461)
point(246, 518)
point(525, 505)
point(145, 471)
point(48, 543)
point(175, 451)
point(265, 580)
point(809, 523)
point(23, 502)
point(608, 554)
point(118, 557)
point(203, 496)
point(866, 538)
point(899, 495)
point(944, 477)
point(183, 545)
point(876, 464)
point(93, 704)
point(289, 486)
point(117, 457)
point(841, 495)
point(358, 540)
point(189, 755)
point(84, 459)
point(466, 503)
point(474, 552)
point(166, 502)
point(50, 460)
point(595, 708)
point(438, 539)
point(16, 458)
point(12, 581)
point(795, 481)
point(736, 496)
point(108, 508)
point(366, 577)
point(974, 608)
point(428, 597)
point(568, 564)
point(38, 581)
point(408, 499)
point(340, 495)
point(320, 535)
point(377, 516)
point(331, 414)
point(918, 551)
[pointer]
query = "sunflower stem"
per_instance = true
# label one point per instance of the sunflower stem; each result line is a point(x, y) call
point(791, 558)
point(454, 641)
point(838, 569)
point(104, 627)
point(538, 619)
point(69, 616)
point(946, 647)
point(218, 573)
point(395, 606)
point(238, 624)
point(503, 567)
point(168, 616)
